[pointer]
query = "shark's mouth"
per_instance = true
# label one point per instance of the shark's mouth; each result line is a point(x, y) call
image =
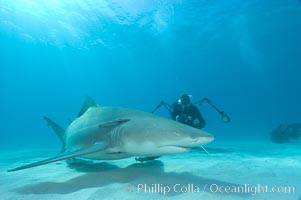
point(184, 148)
point(173, 149)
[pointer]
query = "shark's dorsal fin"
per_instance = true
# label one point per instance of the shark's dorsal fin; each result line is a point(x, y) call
point(88, 150)
point(88, 103)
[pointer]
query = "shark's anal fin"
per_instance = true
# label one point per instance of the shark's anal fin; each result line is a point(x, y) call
point(88, 150)
point(113, 123)
point(88, 103)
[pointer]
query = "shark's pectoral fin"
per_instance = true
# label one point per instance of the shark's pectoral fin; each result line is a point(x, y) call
point(89, 150)
point(113, 123)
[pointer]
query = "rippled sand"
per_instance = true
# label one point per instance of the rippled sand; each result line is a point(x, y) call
point(232, 171)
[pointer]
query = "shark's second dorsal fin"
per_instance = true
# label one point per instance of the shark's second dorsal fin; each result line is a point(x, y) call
point(88, 103)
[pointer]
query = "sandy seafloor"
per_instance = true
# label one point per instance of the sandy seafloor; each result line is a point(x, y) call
point(231, 171)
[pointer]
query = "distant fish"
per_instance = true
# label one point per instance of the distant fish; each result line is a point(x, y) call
point(109, 133)
point(285, 133)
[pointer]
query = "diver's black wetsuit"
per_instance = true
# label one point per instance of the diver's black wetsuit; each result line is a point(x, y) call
point(187, 115)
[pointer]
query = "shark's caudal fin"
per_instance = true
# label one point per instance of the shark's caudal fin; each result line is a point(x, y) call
point(59, 131)
point(88, 103)
point(89, 150)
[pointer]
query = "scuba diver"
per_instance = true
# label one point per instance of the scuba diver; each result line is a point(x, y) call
point(286, 133)
point(186, 112)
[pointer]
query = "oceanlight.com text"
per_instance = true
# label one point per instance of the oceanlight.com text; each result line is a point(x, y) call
point(248, 189)
point(211, 188)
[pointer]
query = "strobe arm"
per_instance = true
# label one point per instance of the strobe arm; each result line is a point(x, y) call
point(165, 105)
point(225, 117)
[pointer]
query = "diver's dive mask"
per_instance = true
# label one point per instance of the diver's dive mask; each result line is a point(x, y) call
point(185, 101)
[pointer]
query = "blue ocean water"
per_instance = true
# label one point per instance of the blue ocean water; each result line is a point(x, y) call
point(243, 55)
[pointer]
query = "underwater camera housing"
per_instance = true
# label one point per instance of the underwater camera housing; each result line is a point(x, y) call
point(182, 118)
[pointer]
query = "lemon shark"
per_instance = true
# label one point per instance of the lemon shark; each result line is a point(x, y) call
point(110, 133)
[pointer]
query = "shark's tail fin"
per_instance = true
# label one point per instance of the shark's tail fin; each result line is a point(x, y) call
point(59, 131)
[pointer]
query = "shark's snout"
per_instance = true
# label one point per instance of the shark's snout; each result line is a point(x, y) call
point(203, 140)
point(193, 142)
